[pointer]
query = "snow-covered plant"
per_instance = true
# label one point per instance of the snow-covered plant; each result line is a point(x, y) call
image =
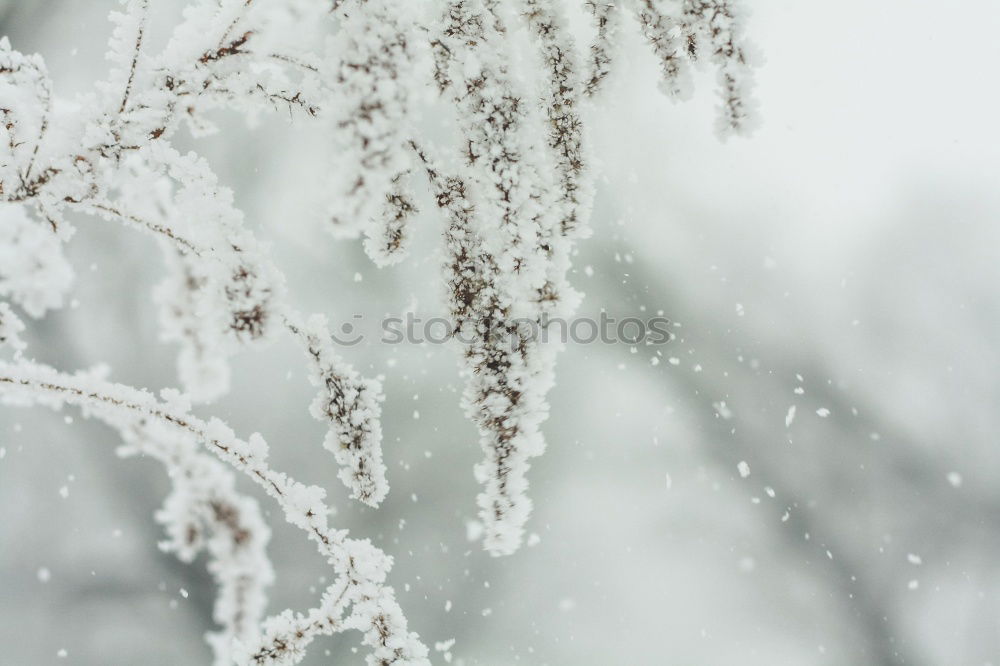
point(204, 501)
point(516, 212)
point(351, 405)
point(681, 32)
point(513, 185)
point(11, 328)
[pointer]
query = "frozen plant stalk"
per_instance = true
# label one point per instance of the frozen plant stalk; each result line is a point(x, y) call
point(513, 186)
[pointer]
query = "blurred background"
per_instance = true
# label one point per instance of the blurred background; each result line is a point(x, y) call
point(834, 286)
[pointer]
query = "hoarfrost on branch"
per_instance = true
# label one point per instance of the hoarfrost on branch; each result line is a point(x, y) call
point(358, 70)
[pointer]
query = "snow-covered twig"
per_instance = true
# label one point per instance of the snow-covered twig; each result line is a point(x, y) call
point(351, 405)
point(681, 31)
point(204, 512)
point(11, 328)
point(607, 18)
point(373, 69)
point(361, 567)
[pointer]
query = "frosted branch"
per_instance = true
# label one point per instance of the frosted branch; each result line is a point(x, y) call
point(204, 512)
point(360, 566)
point(515, 193)
point(371, 106)
point(350, 405)
point(11, 328)
point(681, 31)
point(607, 20)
